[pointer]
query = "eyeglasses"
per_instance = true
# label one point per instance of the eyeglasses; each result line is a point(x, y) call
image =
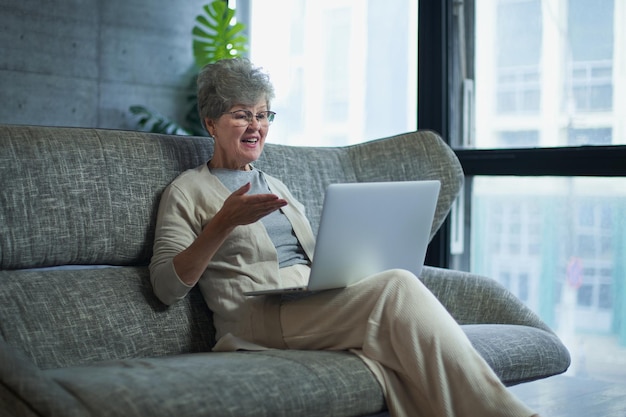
point(243, 118)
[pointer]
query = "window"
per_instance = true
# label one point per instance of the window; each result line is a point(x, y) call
point(589, 52)
point(518, 32)
point(544, 73)
point(539, 235)
point(345, 71)
point(599, 136)
point(517, 138)
point(547, 211)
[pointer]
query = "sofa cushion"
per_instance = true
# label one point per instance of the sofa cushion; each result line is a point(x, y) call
point(268, 383)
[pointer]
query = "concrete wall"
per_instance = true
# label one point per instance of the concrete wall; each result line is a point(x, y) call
point(84, 62)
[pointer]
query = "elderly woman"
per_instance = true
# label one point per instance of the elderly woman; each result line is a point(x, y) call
point(230, 228)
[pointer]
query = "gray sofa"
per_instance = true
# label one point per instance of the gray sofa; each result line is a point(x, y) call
point(81, 333)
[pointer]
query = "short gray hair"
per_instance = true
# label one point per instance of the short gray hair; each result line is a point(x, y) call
point(229, 82)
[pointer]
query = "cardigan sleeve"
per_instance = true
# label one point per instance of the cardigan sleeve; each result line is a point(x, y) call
point(176, 229)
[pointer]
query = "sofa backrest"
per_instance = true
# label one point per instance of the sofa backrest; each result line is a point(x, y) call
point(84, 196)
point(90, 196)
point(77, 196)
point(421, 155)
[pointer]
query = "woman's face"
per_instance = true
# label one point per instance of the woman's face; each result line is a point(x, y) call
point(237, 142)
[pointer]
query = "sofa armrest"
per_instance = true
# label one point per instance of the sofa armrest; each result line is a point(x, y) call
point(475, 299)
point(25, 390)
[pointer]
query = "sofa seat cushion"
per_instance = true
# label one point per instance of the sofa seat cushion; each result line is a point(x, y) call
point(518, 353)
point(238, 384)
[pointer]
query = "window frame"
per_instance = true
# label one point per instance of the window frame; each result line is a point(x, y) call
point(439, 84)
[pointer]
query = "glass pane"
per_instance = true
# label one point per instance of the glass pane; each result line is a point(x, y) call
point(559, 244)
point(555, 68)
point(345, 71)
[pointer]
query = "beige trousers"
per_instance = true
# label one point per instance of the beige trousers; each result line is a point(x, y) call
point(421, 357)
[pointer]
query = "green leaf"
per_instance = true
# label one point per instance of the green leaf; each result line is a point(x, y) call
point(214, 37)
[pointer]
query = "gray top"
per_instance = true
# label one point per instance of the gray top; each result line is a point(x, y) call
point(277, 225)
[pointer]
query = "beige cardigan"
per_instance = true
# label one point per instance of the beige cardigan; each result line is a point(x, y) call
point(246, 261)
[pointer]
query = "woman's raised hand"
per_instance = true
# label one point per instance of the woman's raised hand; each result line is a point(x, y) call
point(240, 208)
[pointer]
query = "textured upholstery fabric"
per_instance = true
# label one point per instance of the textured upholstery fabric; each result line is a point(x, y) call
point(88, 196)
point(473, 299)
point(511, 337)
point(422, 155)
point(518, 353)
point(65, 318)
point(25, 390)
point(84, 196)
point(96, 341)
point(295, 383)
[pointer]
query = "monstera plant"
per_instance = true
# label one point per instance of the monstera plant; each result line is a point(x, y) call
point(215, 36)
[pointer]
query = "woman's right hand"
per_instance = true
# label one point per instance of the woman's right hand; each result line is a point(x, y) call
point(240, 208)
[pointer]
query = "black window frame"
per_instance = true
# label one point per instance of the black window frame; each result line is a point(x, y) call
point(439, 108)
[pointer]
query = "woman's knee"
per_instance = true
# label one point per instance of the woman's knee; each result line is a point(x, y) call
point(400, 280)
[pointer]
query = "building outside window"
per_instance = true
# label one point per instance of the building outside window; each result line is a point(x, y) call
point(517, 57)
point(589, 54)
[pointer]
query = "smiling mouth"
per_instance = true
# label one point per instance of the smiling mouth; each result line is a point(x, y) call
point(250, 140)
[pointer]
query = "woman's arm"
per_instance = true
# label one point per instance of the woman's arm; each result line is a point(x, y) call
point(180, 258)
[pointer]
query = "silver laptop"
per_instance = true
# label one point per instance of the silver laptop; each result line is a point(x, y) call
point(366, 228)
